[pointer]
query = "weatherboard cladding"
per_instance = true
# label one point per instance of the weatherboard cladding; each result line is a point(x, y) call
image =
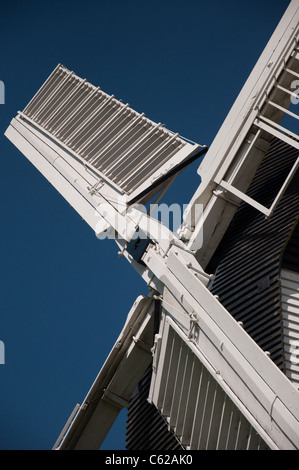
point(247, 267)
point(248, 261)
point(290, 258)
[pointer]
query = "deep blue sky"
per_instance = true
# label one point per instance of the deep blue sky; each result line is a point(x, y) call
point(65, 294)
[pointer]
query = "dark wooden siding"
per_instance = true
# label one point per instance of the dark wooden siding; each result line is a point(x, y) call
point(146, 427)
point(291, 253)
point(248, 260)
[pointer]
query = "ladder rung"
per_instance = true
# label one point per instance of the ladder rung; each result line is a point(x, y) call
point(252, 202)
point(285, 90)
point(278, 126)
point(276, 133)
point(283, 109)
point(292, 72)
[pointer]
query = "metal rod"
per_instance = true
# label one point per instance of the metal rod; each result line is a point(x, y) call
point(70, 419)
point(120, 136)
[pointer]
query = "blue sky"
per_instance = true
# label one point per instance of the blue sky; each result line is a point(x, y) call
point(65, 294)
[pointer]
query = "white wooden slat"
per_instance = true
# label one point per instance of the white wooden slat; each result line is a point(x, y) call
point(233, 429)
point(65, 112)
point(216, 417)
point(86, 96)
point(184, 393)
point(117, 155)
point(119, 141)
point(35, 99)
point(156, 158)
point(104, 132)
point(203, 414)
point(178, 386)
point(147, 134)
point(83, 129)
point(195, 406)
point(171, 375)
point(120, 121)
point(121, 162)
point(243, 432)
point(52, 141)
point(57, 97)
point(163, 374)
point(46, 96)
point(189, 417)
point(62, 101)
point(199, 408)
point(224, 424)
point(84, 116)
point(100, 125)
point(39, 97)
point(96, 125)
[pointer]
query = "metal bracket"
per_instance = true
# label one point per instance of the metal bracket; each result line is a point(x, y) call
point(193, 323)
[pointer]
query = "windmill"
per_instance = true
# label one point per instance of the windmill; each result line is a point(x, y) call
point(205, 352)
